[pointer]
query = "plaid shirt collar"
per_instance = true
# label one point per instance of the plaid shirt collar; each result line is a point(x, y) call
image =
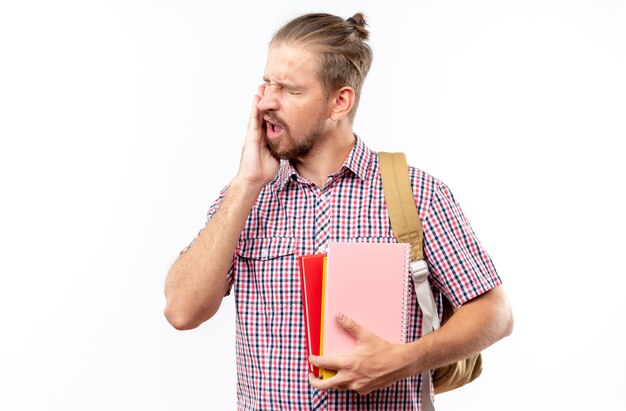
point(357, 162)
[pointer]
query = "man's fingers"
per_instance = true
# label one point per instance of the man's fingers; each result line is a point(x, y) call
point(261, 90)
point(254, 122)
point(327, 362)
point(335, 382)
point(319, 383)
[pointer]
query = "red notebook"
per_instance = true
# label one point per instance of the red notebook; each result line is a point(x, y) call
point(311, 269)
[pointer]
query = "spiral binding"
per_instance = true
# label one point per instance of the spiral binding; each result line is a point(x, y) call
point(405, 295)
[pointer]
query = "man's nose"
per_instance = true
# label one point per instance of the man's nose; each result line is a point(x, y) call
point(269, 99)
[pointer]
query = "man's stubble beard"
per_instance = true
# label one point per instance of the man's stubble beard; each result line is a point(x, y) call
point(295, 148)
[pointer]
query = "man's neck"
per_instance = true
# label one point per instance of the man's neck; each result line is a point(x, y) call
point(326, 157)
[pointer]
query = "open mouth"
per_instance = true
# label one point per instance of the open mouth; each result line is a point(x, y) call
point(272, 127)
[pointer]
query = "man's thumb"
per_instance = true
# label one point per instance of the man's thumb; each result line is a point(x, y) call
point(349, 325)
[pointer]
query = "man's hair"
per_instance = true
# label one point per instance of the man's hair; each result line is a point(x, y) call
point(345, 57)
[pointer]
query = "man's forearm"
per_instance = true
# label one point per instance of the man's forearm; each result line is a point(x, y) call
point(475, 326)
point(196, 282)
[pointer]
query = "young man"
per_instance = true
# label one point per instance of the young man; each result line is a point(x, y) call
point(326, 188)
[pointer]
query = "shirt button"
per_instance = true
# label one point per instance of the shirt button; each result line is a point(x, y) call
point(264, 253)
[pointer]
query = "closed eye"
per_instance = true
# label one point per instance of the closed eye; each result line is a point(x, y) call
point(280, 86)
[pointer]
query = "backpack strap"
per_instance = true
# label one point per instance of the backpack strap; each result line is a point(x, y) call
point(407, 228)
point(405, 222)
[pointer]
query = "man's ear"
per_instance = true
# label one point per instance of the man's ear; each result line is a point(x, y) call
point(342, 102)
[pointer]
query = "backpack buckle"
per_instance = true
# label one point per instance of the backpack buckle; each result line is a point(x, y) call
point(419, 270)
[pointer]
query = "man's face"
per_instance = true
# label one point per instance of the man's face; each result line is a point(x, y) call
point(294, 105)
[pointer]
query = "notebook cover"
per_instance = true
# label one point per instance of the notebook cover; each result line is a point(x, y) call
point(311, 285)
point(368, 283)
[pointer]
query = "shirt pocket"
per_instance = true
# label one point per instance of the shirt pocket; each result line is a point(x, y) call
point(268, 276)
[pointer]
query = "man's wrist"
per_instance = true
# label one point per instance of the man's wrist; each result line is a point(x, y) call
point(416, 354)
point(246, 185)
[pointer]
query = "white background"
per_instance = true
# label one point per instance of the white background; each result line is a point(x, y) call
point(120, 121)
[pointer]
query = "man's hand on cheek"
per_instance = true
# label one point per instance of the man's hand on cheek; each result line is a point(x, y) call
point(257, 167)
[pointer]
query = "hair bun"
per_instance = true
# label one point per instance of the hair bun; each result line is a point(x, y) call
point(358, 20)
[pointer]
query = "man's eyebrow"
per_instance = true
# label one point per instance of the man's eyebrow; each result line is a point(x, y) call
point(278, 83)
point(266, 80)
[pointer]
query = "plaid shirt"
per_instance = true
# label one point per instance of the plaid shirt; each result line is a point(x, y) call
point(293, 216)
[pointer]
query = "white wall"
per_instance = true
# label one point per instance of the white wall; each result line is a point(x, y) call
point(121, 120)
